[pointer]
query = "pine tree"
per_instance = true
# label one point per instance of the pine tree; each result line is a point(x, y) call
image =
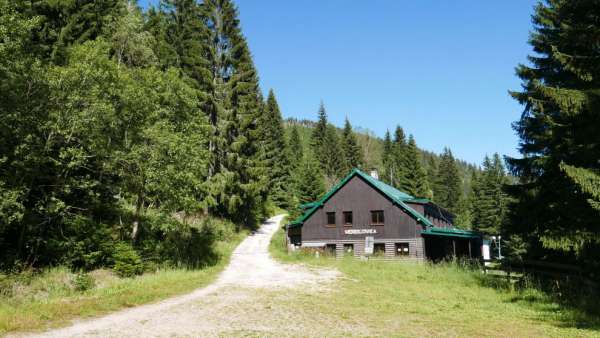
point(332, 153)
point(416, 177)
point(432, 172)
point(234, 105)
point(276, 157)
point(560, 144)
point(310, 185)
point(326, 145)
point(320, 132)
point(489, 202)
point(400, 162)
point(448, 191)
point(352, 151)
point(67, 23)
point(294, 148)
point(158, 24)
point(387, 159)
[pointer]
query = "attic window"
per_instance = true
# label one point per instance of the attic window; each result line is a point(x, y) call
point(331, 219)
point(377, 217)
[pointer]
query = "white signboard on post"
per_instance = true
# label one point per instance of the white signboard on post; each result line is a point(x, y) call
point(369, 242)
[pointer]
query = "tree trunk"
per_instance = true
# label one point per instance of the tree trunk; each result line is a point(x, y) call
point(136, 216)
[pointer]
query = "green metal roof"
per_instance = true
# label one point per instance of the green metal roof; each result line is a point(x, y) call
point(451, 232)
point(398, 197)
point(307, 205)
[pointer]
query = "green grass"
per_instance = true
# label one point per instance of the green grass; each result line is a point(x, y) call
point(49, 300)
point(421, 299)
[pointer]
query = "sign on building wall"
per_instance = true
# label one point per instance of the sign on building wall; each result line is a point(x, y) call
point(369, 242)
point(360, 231)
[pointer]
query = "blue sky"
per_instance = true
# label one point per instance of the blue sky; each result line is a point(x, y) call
point(440, 69)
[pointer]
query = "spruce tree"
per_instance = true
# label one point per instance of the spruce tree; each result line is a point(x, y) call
point(332, 153)
point(399, 159)
point(294, 147)
point(556, 196)
point(432, 172)
point(275, 156)
point(352, 151)
point(489, 200)
point(234, 107)
point(310, 185)
point(67, 23)
point(416, 177)
point(387, 159)
point(319, 134)
point(327, 148)
point(448, 191)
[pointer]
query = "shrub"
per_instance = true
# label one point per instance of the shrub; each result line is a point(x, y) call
point(83, 281)
point(127, 261)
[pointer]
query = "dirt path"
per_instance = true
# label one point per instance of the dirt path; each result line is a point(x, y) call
point(218, 309)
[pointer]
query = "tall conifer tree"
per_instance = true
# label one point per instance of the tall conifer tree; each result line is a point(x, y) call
point(274, 148)
point(416, 177)
point(399, 179)
point(234, 106)
point(448, 191)
point(489, 200)
point(352, 151)
point(556, 199)
point(387, 159)
point(310, 184)
point(326, 145)
point(294, 147)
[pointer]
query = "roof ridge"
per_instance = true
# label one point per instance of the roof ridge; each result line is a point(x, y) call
point(397, 196)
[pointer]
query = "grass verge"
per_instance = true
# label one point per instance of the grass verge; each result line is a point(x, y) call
point(376, 298)
point(51, 302)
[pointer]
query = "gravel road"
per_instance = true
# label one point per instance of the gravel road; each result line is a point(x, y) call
point(215, 309)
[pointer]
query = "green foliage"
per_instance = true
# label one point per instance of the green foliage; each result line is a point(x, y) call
point(83, 282)
point(110, 131)
point(555, 206)
point(310, 185)
point(387, 159)
point(352, 151)
point(488, 200)
point(447, 188)
point(326, 146)
point(416, 177)
point(277, 159)
point(127, 261)
point(294, 148)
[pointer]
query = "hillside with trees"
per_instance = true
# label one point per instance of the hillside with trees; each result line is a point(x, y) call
point(142, 137)
point(398, 161)
point(130, 134)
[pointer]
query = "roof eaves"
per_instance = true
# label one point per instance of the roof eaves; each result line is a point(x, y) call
point(394, 194)
point(451, 232)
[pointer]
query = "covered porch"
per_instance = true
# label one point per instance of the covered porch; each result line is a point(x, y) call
point(448, 243)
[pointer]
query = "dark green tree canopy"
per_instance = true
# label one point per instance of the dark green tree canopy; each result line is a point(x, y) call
point(352, 151)
point(560, 145)
point(448, 191)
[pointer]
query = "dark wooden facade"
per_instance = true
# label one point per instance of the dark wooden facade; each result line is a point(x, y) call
point(400, 235)
point(360, 199)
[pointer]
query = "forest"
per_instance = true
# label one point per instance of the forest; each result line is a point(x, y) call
point(133, 138)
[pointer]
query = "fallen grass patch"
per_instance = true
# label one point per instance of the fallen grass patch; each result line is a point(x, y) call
point(420, 299)
point(50, 299)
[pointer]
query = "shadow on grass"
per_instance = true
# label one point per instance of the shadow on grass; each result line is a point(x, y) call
point(568, 307)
